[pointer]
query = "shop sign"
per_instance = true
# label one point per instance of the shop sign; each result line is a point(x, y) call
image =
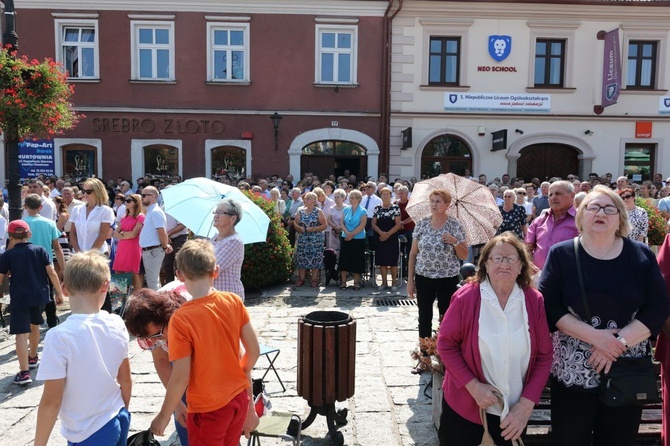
point(163, 126)
point(664, 105)
point(643, 129)
point(36, 158)
point(497, 102)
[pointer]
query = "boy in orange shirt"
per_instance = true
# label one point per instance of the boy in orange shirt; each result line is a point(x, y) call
point(204, 337)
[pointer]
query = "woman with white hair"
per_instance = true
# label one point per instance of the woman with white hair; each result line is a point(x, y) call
point(335, 220)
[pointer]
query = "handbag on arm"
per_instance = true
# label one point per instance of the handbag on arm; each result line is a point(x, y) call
point(487, 440)
point(630, 381)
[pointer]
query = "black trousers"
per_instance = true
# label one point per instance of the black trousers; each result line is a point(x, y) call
point(580, 419)
point(427, 290)
point(457, 431)
point(169, 260)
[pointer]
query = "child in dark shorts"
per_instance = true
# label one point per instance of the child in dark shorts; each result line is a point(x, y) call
point(31, 270)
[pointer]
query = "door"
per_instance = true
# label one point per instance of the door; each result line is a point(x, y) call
point(546, 161)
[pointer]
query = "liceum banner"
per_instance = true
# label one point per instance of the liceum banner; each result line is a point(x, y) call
point(611, 69)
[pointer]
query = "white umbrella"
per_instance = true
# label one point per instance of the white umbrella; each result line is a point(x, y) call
point(193, 201)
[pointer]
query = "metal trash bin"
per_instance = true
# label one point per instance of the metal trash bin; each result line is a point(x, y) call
point(326, 366)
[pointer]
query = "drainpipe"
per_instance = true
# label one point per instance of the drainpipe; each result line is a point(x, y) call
point(384, 155)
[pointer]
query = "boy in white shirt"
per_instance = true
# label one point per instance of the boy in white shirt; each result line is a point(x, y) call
point(85, 363)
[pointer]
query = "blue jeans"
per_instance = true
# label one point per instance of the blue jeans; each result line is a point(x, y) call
point(114, 433)
point(181, 430)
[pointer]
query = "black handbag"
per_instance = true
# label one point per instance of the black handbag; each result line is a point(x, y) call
point(144, 438)
point(630, 381)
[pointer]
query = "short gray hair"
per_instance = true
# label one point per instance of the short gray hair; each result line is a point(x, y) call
point(232, 207)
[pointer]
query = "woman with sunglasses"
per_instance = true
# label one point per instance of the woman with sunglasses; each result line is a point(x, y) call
point(147, 318)
point(128, 251)
point(637, 217)
point(92, 220)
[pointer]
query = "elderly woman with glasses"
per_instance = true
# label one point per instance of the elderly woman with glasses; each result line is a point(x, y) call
point(91, 222)
point(128, 251)
point(637, 217)
point(624, 302)
point(228, 247)
point(494, 338)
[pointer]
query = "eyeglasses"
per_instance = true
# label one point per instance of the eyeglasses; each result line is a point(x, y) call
point(626, 197)
point(148, 195)
point(150, 342)
point(498, 259)
point(222, 213)
point(521, 193)
point(608, 210)
point(88, 191)
point(119, 198)
point(129, 200)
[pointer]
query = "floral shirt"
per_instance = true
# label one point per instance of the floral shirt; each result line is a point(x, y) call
point(436, 259)
point(513, 220)
point(639, 223)
point(391, 212)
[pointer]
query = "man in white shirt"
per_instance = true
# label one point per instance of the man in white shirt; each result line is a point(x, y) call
point(153, 238)
point(48, 207)
point(370, 200)
point(68, 198)
point(51, 182)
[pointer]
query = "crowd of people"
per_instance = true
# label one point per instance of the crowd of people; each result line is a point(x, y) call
point(521, 320)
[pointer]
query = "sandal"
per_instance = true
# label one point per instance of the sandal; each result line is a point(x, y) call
point(357, 286)
point(343, 286)
point(315, 283)
point(299, 283)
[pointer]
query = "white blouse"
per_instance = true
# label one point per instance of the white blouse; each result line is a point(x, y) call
point(504, 344)
point(88, 229)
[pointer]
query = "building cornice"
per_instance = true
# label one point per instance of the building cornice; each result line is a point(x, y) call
point(537, 11)
point(301, 7)
point(198, 111)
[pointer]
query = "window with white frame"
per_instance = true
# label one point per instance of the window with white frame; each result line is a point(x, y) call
point(153, 51)
point(336, 54)
point(552, 63)
point(77, 48)
point(644, 56)
point(228, 55)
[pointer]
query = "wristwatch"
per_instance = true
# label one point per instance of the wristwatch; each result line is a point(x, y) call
point(622, 340)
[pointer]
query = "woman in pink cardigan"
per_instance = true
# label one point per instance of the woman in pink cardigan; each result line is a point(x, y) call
point(494, 336)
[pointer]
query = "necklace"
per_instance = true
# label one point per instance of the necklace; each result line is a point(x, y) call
point(606, 255)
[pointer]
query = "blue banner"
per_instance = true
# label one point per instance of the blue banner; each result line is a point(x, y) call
point(36, 158)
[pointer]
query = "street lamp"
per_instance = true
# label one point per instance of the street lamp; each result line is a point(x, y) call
point(11, 41)
point(276, 117)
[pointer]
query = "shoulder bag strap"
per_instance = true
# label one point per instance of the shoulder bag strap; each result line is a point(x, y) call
point(580, 277)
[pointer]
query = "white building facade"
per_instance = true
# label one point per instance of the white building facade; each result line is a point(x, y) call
point(539, 81)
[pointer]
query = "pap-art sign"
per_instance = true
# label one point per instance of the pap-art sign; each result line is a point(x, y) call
point(497, 102)
point(36, 158)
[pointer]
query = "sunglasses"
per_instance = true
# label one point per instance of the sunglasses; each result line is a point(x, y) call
point(150, 342)
point(626, 197)
point(129, 200)
point(521, 193)
point(148, 195)
point(88, 191)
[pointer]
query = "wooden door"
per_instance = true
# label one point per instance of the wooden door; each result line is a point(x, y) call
point(547, 160)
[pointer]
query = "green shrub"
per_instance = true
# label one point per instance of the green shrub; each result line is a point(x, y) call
point(657, 224)
point(271, 262)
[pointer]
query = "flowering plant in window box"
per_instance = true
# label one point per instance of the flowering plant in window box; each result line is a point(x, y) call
point(34, 97)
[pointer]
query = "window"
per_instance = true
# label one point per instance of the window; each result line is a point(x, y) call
point(228, 161)
point(153, 51)
point(336, 54)
point(639, 161)
point(641, 67)
point(77, 48)
point(161, 161)
point(549, 62)
point(444, 154)
point(228, 58)
point(444, 60)
point(79, 161)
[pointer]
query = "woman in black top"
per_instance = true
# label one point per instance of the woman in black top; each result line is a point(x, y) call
point(628, 303)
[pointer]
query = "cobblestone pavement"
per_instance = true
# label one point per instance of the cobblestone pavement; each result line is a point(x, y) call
point(389, 407)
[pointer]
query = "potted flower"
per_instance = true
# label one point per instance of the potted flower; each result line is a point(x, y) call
point(34, 97)
point(658, 227)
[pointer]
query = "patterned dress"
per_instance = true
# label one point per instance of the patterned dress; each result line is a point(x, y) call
point(309, 252)
point(639, 223)
point(386, 252)
point(513, 220)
